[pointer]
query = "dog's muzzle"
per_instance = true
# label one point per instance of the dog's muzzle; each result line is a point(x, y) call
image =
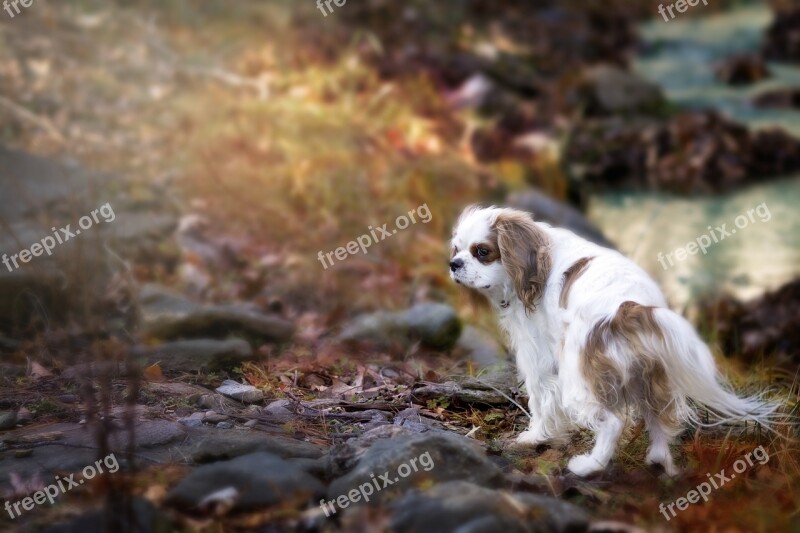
point(455, 264)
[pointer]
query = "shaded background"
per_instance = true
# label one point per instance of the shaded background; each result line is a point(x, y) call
point(236, 141)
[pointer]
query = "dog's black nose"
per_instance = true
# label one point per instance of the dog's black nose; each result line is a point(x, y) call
point(455, 264)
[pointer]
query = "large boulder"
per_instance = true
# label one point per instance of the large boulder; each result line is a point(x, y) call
point(410, 459)
point(435, 325)
point(168, 315)
point(211, 445)
point(464, 506)
point(39, 197)
point(550, 210)
point(198, 354)
point(609, 90)
point(253, 481)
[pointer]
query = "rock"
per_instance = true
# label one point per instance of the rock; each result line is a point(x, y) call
point(198, 354)
point(481, 348)
point(212, 445)
point(788, 98)
point(435, 325)
point(149, 434)
point(241, 392)
point(143, 517)
point(190, 422)
point(562, 215)
point(9, 345)
point(217, 402)
point(279, 407)
point(168, 315)
point(22, 453)
point(463, 506)
point(225, 425)
point(98, 368)
point(742, 70)
point(8, 420)
point(195, 420)
point(695, 152)
point(37, 194)
point(766, 327)
point(410, 418)
point(780, 40)
point(439, 457)
point(212, 418)
point(252, 481)
point(609, 90)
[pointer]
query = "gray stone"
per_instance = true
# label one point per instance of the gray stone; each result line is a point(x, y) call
point(410, 418)
point(149, 434)
point(213, 445)
point(144, 517)
point(481, 348)
point(550, 210)
point(8, 420)
point(168, 315)
point(225, 425)
point(213, 417)
point(240, 391)
point(191, 422)
point(609, 90)
point(466, 507)
point(198, 354)
point(433, 324)
point(217, 402)
point(251, 481)
point(279, 408)
point(37, 194)
point(439, 457)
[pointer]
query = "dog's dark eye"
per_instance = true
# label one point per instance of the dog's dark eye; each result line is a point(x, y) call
point(483, 252)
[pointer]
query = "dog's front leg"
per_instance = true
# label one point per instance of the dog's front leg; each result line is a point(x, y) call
point(547, 424)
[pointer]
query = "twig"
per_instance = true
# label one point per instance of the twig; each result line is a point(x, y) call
point(25, 114)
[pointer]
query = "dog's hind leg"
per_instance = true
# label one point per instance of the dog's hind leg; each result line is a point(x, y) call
point(609, 428)
point(661, 433)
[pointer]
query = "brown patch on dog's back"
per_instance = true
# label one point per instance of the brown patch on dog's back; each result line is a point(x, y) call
point(649, 380)
point(571, 275)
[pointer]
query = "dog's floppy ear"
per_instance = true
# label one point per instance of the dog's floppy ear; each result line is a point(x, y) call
point(525, 254)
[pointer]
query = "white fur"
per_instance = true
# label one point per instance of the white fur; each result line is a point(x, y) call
point(549, 341)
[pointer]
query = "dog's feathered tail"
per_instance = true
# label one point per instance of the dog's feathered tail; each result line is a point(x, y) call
point(693, 373)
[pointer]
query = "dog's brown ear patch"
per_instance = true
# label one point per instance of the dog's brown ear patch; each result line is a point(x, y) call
point(525, 254)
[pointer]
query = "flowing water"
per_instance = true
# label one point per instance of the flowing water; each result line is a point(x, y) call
point(764, 251)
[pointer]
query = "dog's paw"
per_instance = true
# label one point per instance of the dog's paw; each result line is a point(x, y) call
point(654, 458)
point(530, 438)
point(584, 465)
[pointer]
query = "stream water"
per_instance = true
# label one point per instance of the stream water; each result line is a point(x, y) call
point(764, 252)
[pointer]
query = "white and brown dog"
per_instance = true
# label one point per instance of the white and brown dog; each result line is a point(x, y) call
point(593, 337)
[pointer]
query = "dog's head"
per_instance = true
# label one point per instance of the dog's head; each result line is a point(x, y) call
point(494, 247)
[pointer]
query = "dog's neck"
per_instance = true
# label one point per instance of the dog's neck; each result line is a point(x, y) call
point(502, 297)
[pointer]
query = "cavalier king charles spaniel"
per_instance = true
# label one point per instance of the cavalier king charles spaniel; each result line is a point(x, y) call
point(594, 338)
